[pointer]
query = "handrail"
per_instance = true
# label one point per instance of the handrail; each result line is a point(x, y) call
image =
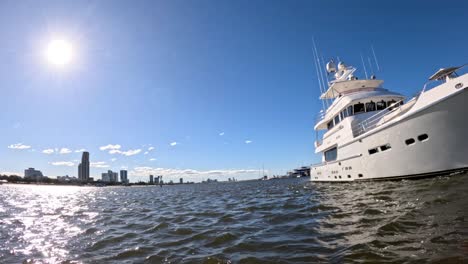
point(372, 121)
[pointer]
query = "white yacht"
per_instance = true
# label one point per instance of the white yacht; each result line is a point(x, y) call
point(371, 133)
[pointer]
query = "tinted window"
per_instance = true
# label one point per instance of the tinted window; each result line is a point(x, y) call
point(370, 106)
point(337, 119)
point(381, 105)
point(358, 108)
point(410, 141)
point(423, 137)
point(350, 110)
point(344, 114)
point(330, 125)
point(389, 103)
point(330, 155)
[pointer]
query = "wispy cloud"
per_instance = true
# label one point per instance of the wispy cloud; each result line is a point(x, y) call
point(248, 141)
point(110, 147)
point(146, 153)
point(99, 164)
point(63, 163)
point(18, 146)
point(173, 144)
point(221, 134)
point(48, 151)
point(129, 152)
point(150, 148)
point(65, 151)
point(80, 150)
point(152, 159)
point(113, 159)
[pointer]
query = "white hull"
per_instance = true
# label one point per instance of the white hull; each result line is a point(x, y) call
point(441, 114)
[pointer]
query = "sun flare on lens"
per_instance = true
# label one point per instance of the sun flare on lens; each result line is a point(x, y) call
point(59, 52)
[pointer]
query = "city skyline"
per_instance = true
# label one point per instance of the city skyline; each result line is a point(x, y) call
point(196, 90)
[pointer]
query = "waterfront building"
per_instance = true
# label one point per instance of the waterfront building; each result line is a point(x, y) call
point(109, 176)
point(181, 181)
point(156, 180)
point(123, 176)
point(151, 179)
point(33, 174)
point(83, 167)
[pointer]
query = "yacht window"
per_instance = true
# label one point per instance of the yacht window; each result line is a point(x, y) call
point(350, 110)
point(389, 103)
point(344, 114)
point(423, 137)
point(330, 155)
point(330, 125)
point(410, 141)
point(370, 106)
point(381, 105)
point(385, 147)
point(358, 108)
point(337, 119)
point(373, 151)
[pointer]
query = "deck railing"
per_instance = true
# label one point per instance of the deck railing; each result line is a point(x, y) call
point(372, 121)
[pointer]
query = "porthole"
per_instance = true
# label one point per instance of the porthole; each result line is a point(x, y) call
point(349, 176)
point(423, 137)
point(360, 175)
point(373, 151)
point(410, 141)
point(339, 176)
point(335, 177)
point(385, 147)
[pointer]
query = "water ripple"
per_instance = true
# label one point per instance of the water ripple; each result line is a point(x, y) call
point(279, 221)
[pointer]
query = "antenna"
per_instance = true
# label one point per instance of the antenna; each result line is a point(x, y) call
point(370, 66)
point(317, 69)
point(364, 65)
point(375, 58)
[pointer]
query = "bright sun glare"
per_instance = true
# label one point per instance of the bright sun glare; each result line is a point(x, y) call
point(59, 52)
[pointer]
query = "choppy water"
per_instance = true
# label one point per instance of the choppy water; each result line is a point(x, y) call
point(280, 221)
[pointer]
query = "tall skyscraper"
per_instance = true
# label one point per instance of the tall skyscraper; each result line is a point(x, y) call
point(151, 179)
point(83, 167)
point(123, 176)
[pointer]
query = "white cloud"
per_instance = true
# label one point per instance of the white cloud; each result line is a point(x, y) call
point(110, 146)
point(10, 173)
point(63, 163)
point(173, 144)
point(131, 152)
point(143, 171)
point(80, 150)
point(150, 148)
point(248, 141)
point(65, 151)
point(48, 151)
point(99, 164)
point(146, 153)
point(113, 159)
point(152, 159)
point(18, 146)
point(221, 134)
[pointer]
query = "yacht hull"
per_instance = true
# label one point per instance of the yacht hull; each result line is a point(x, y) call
point(440, 146)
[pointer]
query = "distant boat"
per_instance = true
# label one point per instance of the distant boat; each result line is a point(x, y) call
point(372, 133)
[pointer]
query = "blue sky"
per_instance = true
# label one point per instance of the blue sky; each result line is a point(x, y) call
point(231, 82)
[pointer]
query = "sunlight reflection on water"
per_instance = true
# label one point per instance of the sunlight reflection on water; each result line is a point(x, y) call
point(40, 222)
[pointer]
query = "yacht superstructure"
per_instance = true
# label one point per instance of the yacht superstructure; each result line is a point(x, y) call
point(369, 132)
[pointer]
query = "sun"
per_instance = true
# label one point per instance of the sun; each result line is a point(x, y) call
point(59, 52)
